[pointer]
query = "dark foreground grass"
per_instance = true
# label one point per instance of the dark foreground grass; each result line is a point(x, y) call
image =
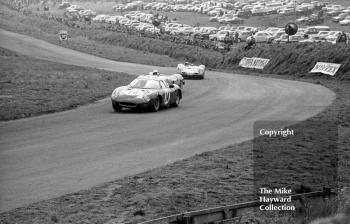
point(30, 87)
point(220, 177)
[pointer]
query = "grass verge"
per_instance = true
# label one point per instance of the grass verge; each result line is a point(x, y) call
point(30, 87)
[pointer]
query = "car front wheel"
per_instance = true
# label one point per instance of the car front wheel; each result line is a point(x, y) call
point(155, 105)
point(117, 107)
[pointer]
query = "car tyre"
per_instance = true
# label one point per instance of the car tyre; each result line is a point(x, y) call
point(177, 101)
point(156, 104)
point(117, 107)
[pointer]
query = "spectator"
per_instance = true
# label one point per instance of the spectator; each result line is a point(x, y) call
point(250, 42)
point(342, 38)
point(236, 36)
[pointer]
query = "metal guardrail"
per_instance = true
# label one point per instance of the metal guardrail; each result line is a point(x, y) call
point(227, 213)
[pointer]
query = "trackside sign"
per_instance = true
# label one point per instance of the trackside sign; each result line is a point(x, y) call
point(326, 68)
point(63, 35)
point(257, 63)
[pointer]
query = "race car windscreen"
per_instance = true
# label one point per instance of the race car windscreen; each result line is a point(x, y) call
point(145, 84)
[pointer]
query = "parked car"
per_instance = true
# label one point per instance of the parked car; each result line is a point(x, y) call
point(64, 5)
point(214, 18)
point(340, 17)
point(206, 33)
point(233, 20)
point(284, 39)
point(262, 37)
point(100, 18)
point(186, 31)
point(303, 19)
point(243, 35)
point(276, 36)
point(220, 35)
point(345, 21)
point(313, 39)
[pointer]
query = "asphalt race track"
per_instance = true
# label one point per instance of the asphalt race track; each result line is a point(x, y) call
point(50, 155)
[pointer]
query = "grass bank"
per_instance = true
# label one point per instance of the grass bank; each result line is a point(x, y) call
point(79, 40)
point(30, 87)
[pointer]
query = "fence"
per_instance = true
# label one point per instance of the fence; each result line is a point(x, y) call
point(228, 213)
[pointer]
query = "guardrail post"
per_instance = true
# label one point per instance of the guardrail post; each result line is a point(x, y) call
point(227, 213)
point(187, 220)
point(303, 205)
point(234, 213)
point(326, 193)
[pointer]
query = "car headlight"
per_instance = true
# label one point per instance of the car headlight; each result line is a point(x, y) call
point(115, 93)
point(146, 98)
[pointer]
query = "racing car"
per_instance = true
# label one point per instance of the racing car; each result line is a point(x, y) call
point(191, 71)
point(147, 91)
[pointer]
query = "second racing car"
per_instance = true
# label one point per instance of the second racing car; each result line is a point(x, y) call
point(191, 71)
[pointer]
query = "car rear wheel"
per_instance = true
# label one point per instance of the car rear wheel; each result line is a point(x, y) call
point(177, 100)
point(156, 104)
point(117, 107)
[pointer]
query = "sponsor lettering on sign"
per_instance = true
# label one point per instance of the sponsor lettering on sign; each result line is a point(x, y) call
point(326, 68)
point(257, 63)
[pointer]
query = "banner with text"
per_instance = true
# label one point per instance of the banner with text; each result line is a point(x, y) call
point(257, 63)
point(326, 68)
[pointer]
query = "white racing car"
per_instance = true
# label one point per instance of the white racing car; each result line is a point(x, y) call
point(191, 71)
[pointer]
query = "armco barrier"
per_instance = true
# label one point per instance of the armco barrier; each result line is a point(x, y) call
point(228, 213)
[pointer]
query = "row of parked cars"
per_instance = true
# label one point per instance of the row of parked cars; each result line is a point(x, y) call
point(339, 14)
point(231, 13)
point(135, 20)
point(242, 8)
point(140, 21)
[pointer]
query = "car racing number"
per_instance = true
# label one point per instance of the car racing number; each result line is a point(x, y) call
point(167, 92)
point(166, 96)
